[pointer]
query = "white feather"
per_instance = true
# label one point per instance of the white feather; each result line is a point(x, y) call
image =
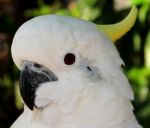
point(79, 99)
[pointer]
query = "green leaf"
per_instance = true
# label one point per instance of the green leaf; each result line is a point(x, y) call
point(18, 101)
point(143, 13)
point(139, 2)
point(147, 50)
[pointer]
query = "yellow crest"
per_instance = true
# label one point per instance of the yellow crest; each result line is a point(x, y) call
point(117, 30)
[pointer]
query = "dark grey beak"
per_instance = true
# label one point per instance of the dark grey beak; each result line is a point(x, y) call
point(32, 75)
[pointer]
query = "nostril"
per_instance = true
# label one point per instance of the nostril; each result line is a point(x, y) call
point(37, 65)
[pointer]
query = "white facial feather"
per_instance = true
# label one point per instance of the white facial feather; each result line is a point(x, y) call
point(80, 98)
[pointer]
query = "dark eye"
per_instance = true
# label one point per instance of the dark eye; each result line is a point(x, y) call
point(69, 59)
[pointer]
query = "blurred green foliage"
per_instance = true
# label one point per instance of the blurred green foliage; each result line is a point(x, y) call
point(134, 47)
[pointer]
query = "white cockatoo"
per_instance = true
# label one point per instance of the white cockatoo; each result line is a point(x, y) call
point(71, 74)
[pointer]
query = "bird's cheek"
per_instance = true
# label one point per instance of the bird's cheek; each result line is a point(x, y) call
point(42, 102)
point(90, 72)
point(47, 93)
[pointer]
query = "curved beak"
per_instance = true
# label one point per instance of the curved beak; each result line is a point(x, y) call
point(32, 75)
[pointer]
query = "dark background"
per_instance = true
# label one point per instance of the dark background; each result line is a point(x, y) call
point(134, 47)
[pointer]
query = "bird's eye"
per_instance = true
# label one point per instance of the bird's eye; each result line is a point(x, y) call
point(69, 59)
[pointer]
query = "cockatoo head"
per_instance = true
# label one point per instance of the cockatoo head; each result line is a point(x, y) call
point(59, 56)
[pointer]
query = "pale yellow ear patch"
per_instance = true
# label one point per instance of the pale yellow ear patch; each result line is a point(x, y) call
point(117, 30)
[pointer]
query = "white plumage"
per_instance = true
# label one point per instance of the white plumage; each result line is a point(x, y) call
point(81, 98)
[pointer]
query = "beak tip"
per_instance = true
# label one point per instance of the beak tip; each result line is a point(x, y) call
point(29, 106)
point(26, 91)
